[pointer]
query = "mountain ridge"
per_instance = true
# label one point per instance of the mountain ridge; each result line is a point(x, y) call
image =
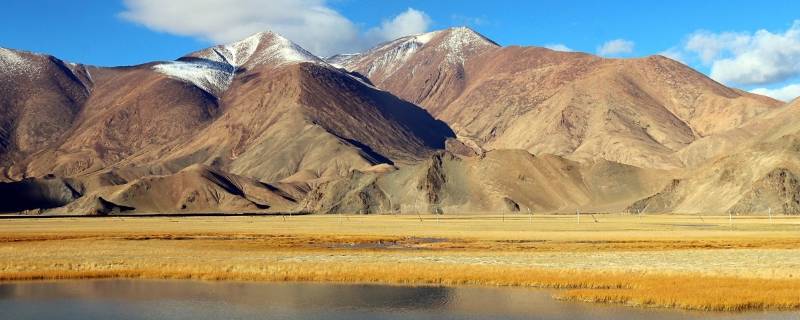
point(447, 120)
point(538, 99)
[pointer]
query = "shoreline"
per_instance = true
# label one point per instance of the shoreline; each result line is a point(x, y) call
point(618, 289)
point(658, 262)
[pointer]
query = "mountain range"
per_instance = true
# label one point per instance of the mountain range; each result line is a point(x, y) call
point(446, 122)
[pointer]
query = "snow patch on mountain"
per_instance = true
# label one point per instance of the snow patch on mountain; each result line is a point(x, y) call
point(391, 55)
point(454, 44)
point(341, 59)
point(213, 69)
point(462, 41)
point(12, 62)
point(281, 51)
point(258, 49)
point(211, 76)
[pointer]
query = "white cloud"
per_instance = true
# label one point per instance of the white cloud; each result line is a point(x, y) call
point(709, 46)
point(409, 22)
point(787, 93)
point(674, 54)
point(559, 47)
point(615, 47)
point(755, 58)
point(310, 23)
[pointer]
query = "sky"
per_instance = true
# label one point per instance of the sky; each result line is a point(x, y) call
point(751, 45)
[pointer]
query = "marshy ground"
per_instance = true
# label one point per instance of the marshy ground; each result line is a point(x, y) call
point(692, 262)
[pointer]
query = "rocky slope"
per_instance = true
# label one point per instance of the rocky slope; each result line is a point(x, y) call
point(752, 169)
point(633, 111)
point(169, 115)
point(261, 108)
point(40, 99)
point(501, 180)
point(261, 125)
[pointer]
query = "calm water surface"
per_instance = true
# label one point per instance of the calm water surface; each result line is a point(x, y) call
point(145, 299)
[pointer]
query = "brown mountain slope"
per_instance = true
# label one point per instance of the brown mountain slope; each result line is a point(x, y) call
point(754, 169)
point(276, 114)
point(283, 116)
point(40, 97)
point(427, 69)
point(501, 180)
point(194, 189)
point(747, 182)
point(634, 111)
point(766, 127)
point(261, 108)
point(130, 111)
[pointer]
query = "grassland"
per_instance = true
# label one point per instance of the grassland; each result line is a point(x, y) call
point(677, 261)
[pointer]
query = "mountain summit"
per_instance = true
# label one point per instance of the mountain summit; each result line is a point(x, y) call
point(446, 120)
point(262, 108)
point(453, 46)
point(213, 69)
point(632, 111)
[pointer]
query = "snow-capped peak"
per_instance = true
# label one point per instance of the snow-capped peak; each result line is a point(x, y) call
point(257, 49)
point(386, 58)
point(460, 41)
point(14, 62)
point(213, 69)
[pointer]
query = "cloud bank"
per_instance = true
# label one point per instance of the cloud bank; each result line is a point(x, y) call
point(310, 23)
point(559, 47)
point(409, 22)
point(786, 93)
point(759, 58)
point(616, 47)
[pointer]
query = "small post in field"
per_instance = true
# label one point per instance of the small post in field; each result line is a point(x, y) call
point(730, 219)
point(769, 210)
point(530, 216)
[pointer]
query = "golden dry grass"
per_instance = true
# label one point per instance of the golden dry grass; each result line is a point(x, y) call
point(667, 261)
point(698, 293)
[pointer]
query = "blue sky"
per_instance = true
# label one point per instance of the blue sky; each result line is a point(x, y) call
point(720, 38)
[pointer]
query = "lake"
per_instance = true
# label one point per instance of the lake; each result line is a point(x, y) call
point(177, 299)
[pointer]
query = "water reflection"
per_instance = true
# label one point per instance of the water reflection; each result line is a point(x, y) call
point(140, 299)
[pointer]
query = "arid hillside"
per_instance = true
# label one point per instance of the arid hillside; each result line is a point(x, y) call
point(500, 180)
point(751, 169)
point(442, 122)
point(633, 111)
point(272, 113)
